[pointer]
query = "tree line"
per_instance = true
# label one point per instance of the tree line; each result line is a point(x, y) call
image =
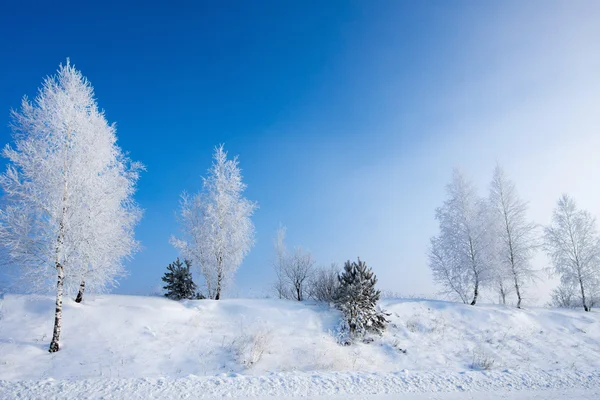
point(489, 242)
point(351, 291)
point(68, 214)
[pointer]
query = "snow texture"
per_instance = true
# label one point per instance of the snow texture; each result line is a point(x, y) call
point(150, 347)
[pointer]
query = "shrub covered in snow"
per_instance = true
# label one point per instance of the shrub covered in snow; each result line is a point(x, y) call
point(249, 347)
point(324, 283)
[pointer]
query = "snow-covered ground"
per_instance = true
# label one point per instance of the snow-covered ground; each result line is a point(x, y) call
point(149, 347)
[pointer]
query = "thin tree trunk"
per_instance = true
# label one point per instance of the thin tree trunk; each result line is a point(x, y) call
point(219, 276)
point(502, 293)
point(54, 347)
point(79, 297)
point(585, 307)
point(219, 279)
point(476, 292)
point(280, 277)
point(60, 269)
point(518, 290)
point(474, 266)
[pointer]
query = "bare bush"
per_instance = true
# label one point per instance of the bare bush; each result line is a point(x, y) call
point(565, 296)
point(249, 347)
point(324, 283)
point(481, 360)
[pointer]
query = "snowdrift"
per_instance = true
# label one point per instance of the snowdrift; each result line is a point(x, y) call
point(433, 344)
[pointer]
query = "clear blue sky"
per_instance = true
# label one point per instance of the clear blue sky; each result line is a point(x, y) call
point(347, 116)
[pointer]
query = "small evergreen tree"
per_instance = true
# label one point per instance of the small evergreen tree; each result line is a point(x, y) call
point(357, 299)
point(179, 283)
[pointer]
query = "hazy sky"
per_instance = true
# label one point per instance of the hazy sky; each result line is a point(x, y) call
point(347, 117)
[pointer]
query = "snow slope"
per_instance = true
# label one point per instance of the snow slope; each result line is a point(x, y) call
point(142, 347)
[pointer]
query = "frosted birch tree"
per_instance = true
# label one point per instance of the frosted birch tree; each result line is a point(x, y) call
point(68, 214)
point(447, 272)
point(514, 236)
point(459, 256)
point(298, 272)
point(216, 224)
point(573, 245)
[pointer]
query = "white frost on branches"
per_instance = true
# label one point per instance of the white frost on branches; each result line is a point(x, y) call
point(298, 271)
point(67, 180)
point(515, 237)
point(459, 256)
point(216, 224)
point(573, 244)
point(68, 187)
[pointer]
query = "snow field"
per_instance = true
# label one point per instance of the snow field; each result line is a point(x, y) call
point(253, 348)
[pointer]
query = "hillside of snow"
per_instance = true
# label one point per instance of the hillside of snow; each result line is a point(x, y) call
point(430, 346)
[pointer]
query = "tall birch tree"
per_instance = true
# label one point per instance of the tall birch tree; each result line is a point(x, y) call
point(216, 224)
point(573, 244)
point(514, 235)
point(68, 213)
point(459, 256)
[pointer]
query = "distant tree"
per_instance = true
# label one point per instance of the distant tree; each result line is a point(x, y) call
point(298, 270)
point(573, 245)
point(279, 264)
point(503, 285)
point(515, 237)
point(179, 282)
point(69, 213)
point(460, 256)
point(565, 296)
point(357, 299)
point(216, 224)
point(324, 283)
point(447, 272)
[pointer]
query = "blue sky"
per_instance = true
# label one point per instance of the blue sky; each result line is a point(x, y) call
point(347, 116)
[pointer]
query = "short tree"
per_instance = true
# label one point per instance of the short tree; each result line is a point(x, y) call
point(69, 213)
point(515, 237)
point(573, 245)
point(460, 256)
point(279, 264)
point(216, 224)
point(357, 299)
point(324, 283)
point(564, 296)
point(179, 282)
point(298, 271)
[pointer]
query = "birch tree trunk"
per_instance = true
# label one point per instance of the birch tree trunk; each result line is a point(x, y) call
point(54, 347)
point(518, 291)
point(475, 293)
point(585, 306)
point(502, 293)
point(79, 297)
point(219, 277)
point(475, 271)
point(60, 269)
